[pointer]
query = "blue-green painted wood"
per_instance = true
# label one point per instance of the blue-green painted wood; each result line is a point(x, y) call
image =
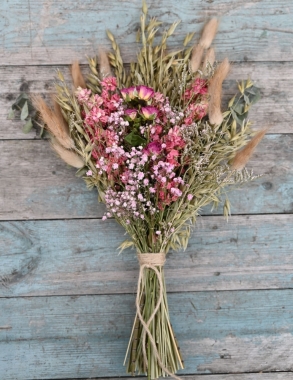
point(82, 334)
point(35, 184)
point(86, 336)
point(243, 376)
point(80, 257)
point(51, 31)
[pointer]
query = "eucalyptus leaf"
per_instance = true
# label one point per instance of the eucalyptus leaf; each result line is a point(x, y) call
point(255, 98)
point(20, 101)
point(238, 107)
point(252, 90)
point(28, 126)
point(11, 114)
point(24, 111)
point(246, 98)
point(239, 118)
point(134, 140)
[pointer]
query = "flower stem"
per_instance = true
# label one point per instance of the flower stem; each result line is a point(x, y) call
point(160, 329)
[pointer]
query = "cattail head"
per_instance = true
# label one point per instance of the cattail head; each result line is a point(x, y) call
point(208, 33)
point(215, 92)
point(105, 68)
point(77, 77)
point(242, 157)
point(196, 58)
point(54, 122)
point(70, 157)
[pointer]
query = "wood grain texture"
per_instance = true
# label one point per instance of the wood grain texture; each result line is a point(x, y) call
point(274, 110)
point(244, 376)
point(86, 336)
point(78, 257)
point(54, 32)
point(35, 184)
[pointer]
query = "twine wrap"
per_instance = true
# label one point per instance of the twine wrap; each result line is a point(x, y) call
point(151, 261)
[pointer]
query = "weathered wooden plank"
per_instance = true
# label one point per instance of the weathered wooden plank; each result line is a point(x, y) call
point(35, 184)
point(54, 32)
point(242, 376)
point(274, 110)
point(80, 257)
point(86, 336)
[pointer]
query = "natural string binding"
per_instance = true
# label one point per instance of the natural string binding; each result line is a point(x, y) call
point(151, 261)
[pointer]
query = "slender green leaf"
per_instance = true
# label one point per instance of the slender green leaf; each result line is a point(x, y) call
point(11, 114)
point(28, 126)
point(24, 111)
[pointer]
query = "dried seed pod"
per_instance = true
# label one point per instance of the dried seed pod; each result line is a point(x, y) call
point(215, 92)
point(105, 68)
point(242, 157)
point(77, 77)
point(70, 157)
point(59, 115)
point(196, 58)
point(54, 122)
point(208, 33)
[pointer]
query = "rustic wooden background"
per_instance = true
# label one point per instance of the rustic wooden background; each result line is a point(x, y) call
point(66, 297)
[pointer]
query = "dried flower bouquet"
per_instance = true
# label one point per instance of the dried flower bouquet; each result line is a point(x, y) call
point(154, 142)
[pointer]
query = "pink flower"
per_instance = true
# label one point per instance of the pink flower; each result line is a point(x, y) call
point(189, 197)
point(98, 100)
point(159, 97)
point(109, 83)
point(154, 147)
point(82, 94)
point(198, 87)
point(128, 93)
point(131, 113)
point(140, 175)
point(89, 173)
point(149, 112)
point(144, 92)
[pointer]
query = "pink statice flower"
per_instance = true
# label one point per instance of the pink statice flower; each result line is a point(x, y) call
point(197, 87)
point(109, 83)
point(82, 95)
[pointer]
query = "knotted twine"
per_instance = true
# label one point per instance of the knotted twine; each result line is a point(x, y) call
point(151, 261)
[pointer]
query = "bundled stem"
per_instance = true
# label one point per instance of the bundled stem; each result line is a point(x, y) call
point(153, 347)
